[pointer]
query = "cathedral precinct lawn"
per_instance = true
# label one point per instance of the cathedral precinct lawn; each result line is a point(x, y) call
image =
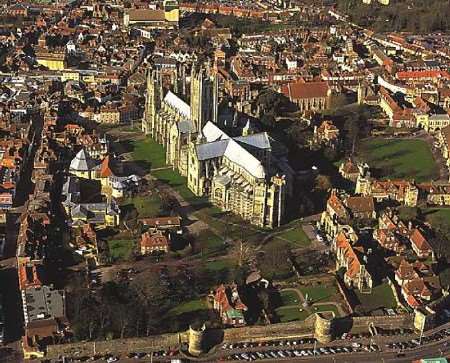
point(209, 243)
point(286, 314)
point(120, 248)
point(318, 293)
point(145, 205)
point(407, 158)
point(289, 297)
point(188, 306)
point(437, 216)
point(178, 183)
point(150, 151)
point(296, 237)
point(381, 297)
point(219, 265)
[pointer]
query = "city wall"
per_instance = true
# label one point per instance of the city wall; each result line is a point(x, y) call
point(214, 337)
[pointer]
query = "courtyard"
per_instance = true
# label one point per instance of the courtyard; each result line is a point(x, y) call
point(380, 297)
point(321, 298)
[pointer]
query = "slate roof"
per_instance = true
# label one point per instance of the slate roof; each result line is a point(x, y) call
point(234, 152)
point(260, 140)
point(82, 162)
point(178, 104)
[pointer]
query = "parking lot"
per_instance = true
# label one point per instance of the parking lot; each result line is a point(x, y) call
point(279, 350)
point(395, 343)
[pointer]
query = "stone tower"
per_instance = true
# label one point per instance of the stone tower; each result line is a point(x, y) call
point(323, 327)
point(152, 102)
point(204, 98)
point(196, 337)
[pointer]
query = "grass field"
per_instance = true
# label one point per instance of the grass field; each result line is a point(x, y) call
point(189, 306)
point(218, 265)
point(154, 154)
point(296, 237)
point(437, 216)
point(210, 243)
point(291, 314)
point(400, 158)
point(381, 297)
point(177, 182)
point(289, 297)
point(319, 293)
point(146, 206)
point(230, 227)
point(120, 248)
point(149, 151)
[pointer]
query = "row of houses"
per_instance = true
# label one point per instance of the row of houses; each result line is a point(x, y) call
point(44, 307)
point(403, 247)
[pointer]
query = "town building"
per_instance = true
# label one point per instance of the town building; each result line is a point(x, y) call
point(152, 242)
point(308, 96)
point(351, 258)
point(228, 304)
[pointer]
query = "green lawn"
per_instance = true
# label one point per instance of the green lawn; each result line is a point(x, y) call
point(321, 308)
point(210, 243)
point(319, 293)
point(296, 236)
point(120, 248)
point(291, 314)
point(146, 206)
point(400, 158)
point(149, 151)
point(289, 297)
point(381, 297)
point(218, 265)
point(230, 226)
point(437, 216)
point(177, 182)
point(189, 306)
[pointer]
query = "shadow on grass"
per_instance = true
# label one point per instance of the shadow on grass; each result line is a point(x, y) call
point(126, 146)
point(138, 167)
point(181, 322)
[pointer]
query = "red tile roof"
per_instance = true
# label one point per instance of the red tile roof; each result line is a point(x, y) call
point(302, 90)
point(105, 170)
point(417, 238)
point(406, 75)
point(149, 240)
point(353, 263)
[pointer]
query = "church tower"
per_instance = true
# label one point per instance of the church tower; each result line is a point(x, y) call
point(152, 103)
point(204, 98)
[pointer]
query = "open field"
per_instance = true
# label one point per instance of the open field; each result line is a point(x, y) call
point(394, 158)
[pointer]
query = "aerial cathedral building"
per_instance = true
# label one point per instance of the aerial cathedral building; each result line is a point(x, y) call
point(238, 174)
